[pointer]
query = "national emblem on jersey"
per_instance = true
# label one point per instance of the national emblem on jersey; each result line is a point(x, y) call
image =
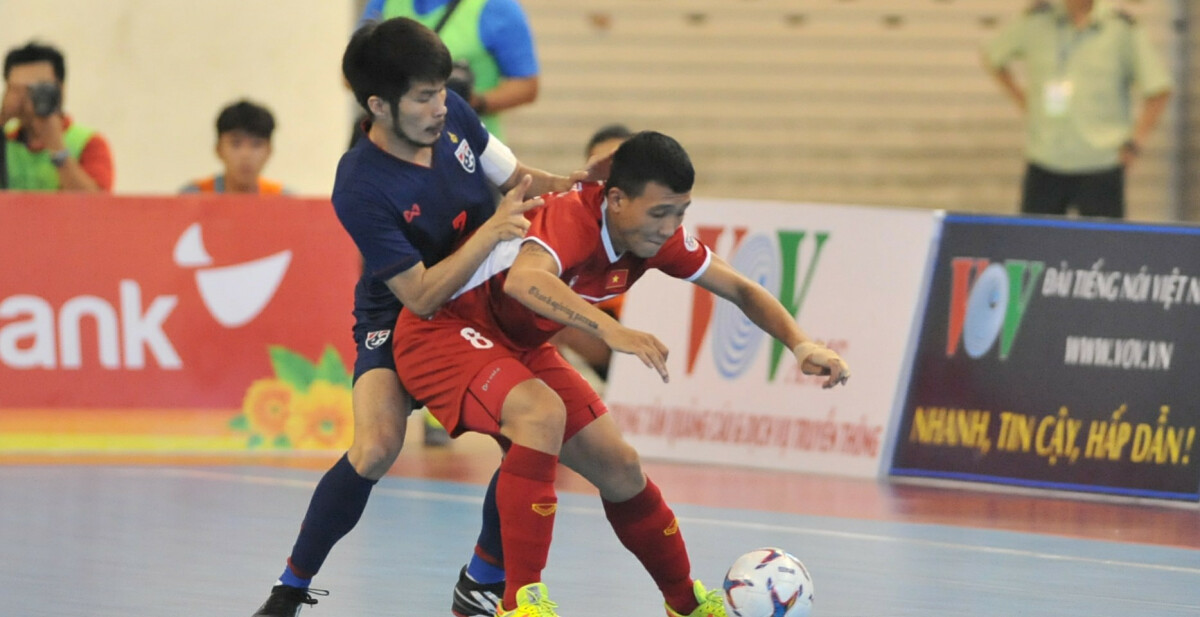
point(465, 157)
point(616, 279)
point(377, 338)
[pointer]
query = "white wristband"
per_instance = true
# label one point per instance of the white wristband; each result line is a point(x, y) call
point(805, 349)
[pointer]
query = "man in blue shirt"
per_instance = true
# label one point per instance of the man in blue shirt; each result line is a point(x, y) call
point(410, 195)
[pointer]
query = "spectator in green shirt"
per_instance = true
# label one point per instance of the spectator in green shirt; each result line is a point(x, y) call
point(1084, 62)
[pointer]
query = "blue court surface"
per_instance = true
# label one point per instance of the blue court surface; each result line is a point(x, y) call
point(154, 541)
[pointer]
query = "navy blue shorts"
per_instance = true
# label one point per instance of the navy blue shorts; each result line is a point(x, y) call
point(373, 343)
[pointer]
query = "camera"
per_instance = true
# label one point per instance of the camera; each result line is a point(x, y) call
point(462, 80)
point(46, 97)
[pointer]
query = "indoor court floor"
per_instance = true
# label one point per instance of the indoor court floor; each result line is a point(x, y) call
point(194, 535)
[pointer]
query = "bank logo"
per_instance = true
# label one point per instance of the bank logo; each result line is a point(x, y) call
point(130, 334)
point(234, 295)
point(773, 262)
point(988, 301)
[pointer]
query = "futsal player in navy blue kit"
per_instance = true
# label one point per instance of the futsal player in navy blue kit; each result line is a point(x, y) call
point(410, 195)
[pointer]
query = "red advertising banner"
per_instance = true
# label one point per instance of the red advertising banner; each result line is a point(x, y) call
point(169, 304)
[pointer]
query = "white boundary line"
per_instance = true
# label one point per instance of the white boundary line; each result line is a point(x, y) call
point(774, 528)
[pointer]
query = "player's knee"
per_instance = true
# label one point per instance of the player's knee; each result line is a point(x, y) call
point(623, 470)
point(373, 455)
point(628, 464)
point(535, 414)
point(547, 415)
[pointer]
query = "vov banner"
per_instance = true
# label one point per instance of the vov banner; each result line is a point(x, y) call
point(851, 276)
point(1059, 354)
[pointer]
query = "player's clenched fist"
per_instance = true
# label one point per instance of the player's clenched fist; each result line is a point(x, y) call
point(651, 351)
point(817, 359)
point(509, 221)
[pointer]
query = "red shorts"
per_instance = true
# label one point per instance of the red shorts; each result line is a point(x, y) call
point(463, 373)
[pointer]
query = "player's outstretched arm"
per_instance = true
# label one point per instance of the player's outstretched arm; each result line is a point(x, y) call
point(424, 290)
point(533, 281)
point(767, 313)
point(545, 182)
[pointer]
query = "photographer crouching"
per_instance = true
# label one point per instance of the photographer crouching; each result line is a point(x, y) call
point(44, 150)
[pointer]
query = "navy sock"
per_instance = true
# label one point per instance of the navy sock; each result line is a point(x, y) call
point(337, 504)
point(483, 572)
point(489, 570)
point(291, 580)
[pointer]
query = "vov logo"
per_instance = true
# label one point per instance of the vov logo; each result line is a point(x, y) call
point(771, 261)
point(989, 306)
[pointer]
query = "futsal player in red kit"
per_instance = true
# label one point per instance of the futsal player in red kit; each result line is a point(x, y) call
point(482, 363)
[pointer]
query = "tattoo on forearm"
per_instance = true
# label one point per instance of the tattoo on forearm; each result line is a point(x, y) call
point(558, 307)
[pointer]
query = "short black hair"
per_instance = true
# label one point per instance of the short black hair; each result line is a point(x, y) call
point(649, 156)
point(248, 117)
point(36, 52)
point(384, 58)
point(607, 132)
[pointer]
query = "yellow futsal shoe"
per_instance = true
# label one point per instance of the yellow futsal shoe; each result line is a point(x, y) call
point(711, 603)
point(533, 601)
point(435, 435)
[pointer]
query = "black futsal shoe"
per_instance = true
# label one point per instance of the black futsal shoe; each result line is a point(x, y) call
point(473, 599)
point(285, 601)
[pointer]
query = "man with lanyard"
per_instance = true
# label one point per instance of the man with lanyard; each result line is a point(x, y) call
point(1080, 56)
point(409, 195)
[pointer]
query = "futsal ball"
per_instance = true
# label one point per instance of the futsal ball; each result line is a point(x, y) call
point(768, 582)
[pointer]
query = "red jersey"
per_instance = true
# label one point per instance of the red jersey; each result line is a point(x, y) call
point(572, 227)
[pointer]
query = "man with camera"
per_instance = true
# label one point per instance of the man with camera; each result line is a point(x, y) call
point(43, 149)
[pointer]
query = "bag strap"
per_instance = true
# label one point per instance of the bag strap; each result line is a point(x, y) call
point(3, 159)
point(453, 4)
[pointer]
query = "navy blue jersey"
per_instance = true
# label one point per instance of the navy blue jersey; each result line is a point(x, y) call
point(401, 213)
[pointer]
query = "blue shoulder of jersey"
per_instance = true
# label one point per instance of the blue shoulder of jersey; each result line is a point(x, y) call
point(462, 119)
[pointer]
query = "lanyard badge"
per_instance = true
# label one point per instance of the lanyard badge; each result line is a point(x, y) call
point(1056, 97)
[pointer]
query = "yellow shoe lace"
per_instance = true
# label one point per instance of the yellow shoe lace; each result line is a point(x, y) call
point(544, 607)
point(712, 604)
